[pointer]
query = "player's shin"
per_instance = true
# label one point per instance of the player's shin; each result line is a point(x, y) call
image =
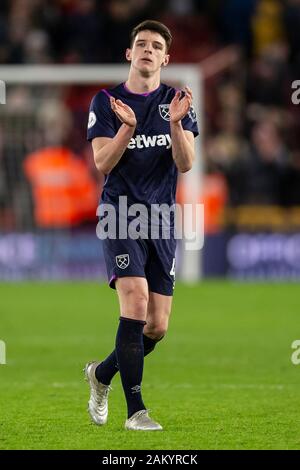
point(108, 368)
point(130, 356)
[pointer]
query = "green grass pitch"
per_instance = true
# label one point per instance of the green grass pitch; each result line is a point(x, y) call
point(221, 379)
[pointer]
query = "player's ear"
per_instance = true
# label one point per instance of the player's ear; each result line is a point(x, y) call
point(128, 54)
point(166, 60)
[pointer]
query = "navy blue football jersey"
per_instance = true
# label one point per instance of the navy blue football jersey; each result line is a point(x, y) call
point(146, 173)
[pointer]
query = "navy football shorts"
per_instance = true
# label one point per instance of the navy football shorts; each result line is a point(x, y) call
point(151, 259)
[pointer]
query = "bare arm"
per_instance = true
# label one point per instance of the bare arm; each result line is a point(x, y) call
point(107, 151)
point(183, 149)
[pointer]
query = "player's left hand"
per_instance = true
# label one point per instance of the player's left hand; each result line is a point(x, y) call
point(180, 107)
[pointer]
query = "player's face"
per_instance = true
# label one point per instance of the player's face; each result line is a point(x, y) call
point(148, 52)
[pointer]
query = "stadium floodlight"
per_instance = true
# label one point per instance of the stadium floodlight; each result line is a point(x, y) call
point(178, 75)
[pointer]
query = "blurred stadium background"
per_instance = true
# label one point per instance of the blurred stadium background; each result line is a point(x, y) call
point(247, 53)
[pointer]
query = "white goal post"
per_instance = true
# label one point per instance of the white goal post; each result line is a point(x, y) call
point(181, 74)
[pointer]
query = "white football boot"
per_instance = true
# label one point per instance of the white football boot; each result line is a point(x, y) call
point(141, 421)
point(98, 402)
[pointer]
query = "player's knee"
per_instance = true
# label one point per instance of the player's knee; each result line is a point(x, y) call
point(156, 331)
point(160, 331)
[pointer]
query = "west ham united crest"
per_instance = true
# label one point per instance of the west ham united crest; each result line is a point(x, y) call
point(122, 261)
point(164, 111)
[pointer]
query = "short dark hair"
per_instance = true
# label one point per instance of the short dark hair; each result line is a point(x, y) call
point(155, 26)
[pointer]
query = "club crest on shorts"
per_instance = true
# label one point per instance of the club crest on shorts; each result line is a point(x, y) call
point(122, 261)
point(164, 111)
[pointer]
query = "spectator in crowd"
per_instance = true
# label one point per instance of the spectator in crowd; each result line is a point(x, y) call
point(264, 168)
point(268, 77)
point(267, 25)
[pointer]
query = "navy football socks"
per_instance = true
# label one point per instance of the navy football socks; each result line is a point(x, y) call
point(109, 367)
point(130, 357)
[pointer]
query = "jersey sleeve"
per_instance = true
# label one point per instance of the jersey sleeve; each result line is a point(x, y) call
point(189, 122)
point(101, 117)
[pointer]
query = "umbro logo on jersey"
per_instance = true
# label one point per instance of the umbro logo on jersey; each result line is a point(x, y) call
point(146, 141)
point(164, 111)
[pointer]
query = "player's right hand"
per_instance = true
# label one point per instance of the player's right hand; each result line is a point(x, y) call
point(123, 112)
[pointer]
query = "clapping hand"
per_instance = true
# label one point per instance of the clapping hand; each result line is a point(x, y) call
point(180, 107)
point(123, 112)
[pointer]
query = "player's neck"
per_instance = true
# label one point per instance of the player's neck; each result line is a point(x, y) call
point(142, 84)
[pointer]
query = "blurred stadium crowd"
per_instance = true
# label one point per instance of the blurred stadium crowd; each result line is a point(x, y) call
point(249, 53)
